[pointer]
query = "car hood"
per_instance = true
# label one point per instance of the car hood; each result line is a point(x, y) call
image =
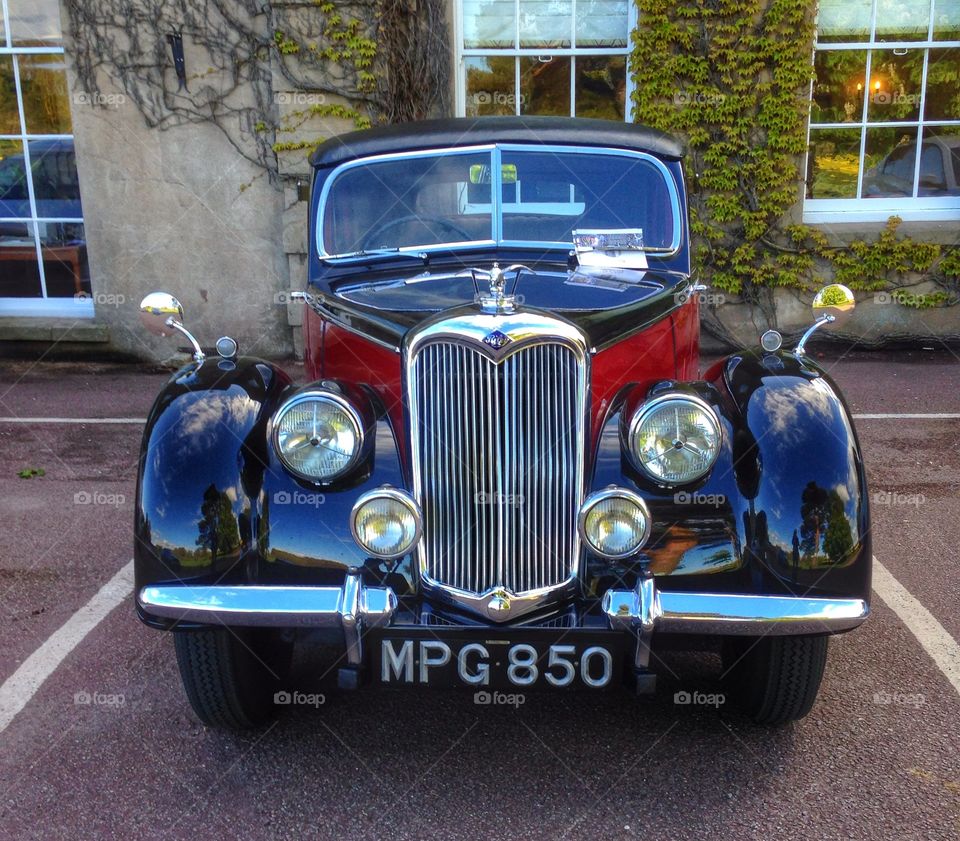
point(607, 304)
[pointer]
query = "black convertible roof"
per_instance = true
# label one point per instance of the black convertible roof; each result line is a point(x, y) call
point(473, 131)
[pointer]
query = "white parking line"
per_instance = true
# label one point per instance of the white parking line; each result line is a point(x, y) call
point(23, 684)
point(906, 416)
point(856, 416)
point(139, 421)
point(941, 647)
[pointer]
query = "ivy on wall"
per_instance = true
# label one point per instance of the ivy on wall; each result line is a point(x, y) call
point(733, 78)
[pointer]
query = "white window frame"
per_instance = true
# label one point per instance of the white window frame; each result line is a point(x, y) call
point(463, 53)
point(921, 208)
point(73, 307)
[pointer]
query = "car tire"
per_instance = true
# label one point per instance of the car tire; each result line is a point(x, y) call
point(775, 679)
point(230, 675)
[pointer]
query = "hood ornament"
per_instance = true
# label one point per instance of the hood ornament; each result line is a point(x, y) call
point(495, 299)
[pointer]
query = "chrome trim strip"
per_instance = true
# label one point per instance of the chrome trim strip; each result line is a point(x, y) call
point(495, 150)
point(465, 351)
point(730, 614)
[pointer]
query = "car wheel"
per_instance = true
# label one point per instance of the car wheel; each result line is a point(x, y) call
point(775, 679)
point(230, 675)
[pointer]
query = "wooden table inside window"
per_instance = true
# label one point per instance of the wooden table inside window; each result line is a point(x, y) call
point(69, 255)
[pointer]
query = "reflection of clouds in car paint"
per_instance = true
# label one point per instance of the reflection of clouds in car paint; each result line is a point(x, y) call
point(200, 421)
point(208, 423)
point(789, 416)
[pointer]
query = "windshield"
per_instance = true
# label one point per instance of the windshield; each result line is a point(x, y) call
point(497, 195)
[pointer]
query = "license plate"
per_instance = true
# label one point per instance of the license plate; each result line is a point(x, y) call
point(483, 659)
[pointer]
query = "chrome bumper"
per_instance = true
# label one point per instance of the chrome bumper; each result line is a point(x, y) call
point(353, 607)
point(356, 608)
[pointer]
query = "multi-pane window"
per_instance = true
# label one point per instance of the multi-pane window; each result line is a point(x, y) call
point(885, 116)
point(43, 260)
point(560, 57)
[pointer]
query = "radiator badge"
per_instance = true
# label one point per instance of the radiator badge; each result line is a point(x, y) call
point(496, 339)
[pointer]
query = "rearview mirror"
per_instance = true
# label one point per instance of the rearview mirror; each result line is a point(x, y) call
point(480, 174)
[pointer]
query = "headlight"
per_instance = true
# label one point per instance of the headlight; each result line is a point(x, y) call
point(614, 522)
point(317, 435)
point(675, 438)
point(386, 523)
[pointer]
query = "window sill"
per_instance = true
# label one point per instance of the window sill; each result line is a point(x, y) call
point(32, 329)
point(72, 308)
point(842, 211)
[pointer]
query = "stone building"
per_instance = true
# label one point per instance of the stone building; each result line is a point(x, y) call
point(162, 145)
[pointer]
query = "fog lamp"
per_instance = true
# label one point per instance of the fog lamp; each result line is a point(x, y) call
point(386, 523)
point(614, 522)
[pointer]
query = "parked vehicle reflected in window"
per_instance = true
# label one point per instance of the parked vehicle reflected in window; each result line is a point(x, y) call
point(939, 173)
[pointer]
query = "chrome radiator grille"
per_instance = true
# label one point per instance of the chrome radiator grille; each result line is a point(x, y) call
point(499, 472)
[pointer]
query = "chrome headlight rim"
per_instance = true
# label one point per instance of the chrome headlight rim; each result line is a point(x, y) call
point(352, 414)
point(650, 406)
point(607, 493)
point(396, 495)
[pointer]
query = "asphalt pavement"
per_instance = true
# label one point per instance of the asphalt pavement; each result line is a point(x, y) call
point(105, 745)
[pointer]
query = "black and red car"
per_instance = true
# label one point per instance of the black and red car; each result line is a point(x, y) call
point(506, 469)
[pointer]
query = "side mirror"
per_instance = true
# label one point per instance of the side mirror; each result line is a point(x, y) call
point(834, 305)
point(835, 300)
point(162, 315)
point(158, 311)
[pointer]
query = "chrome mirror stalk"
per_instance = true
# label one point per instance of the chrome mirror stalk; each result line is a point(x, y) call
point(801, 347)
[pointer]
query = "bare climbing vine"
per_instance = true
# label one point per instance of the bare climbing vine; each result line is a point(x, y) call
point(364, 60)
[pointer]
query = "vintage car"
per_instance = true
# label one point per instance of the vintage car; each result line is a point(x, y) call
point(505, 471)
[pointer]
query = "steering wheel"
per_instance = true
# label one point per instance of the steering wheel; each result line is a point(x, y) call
point(370, 242)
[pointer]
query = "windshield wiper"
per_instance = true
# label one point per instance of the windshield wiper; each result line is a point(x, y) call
point(366, 254)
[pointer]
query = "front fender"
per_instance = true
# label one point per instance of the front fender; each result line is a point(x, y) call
point(784, 509)
point(214, 504)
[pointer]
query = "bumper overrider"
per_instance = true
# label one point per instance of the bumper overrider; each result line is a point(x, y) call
point(356, 608)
